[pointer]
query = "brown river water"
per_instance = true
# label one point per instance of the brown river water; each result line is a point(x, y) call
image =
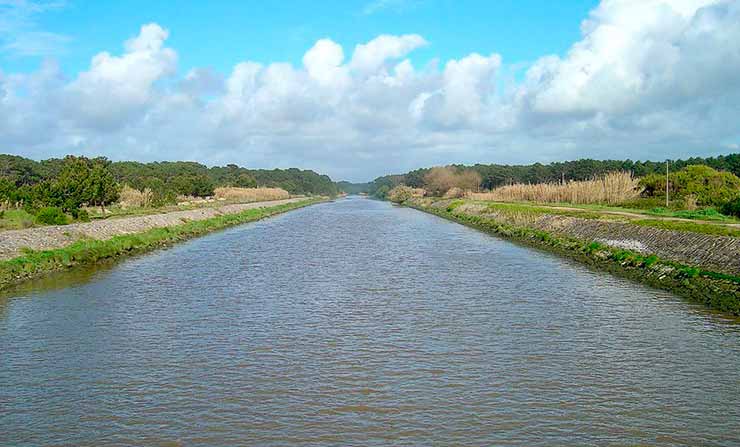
point(359, 323)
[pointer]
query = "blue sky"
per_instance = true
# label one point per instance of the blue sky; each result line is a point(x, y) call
point(219, 34)
point(362, 88)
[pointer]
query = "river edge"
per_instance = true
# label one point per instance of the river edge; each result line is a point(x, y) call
point(716, 290)
point(34, 264)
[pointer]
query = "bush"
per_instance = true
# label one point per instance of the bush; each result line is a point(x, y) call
point(704, 185)
point(81, 215)
point(732, 208)
point(454, 193)
point(402, 193)
point(51, 216)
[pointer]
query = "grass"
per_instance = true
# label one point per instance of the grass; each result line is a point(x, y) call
point(89, 251)
point(250, 194)
point(692, 227)
point(710, 214)
point(719, 291)
point(15, 219)
point(594, 212)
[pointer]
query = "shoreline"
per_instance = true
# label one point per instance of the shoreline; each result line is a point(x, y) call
point(33, 264)
point(717, 290)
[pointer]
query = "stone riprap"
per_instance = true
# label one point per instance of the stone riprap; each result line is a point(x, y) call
point(716, 253)
point(13, 242)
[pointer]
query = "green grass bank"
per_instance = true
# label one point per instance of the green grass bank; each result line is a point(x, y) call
point(719, 291)
point(34, 264)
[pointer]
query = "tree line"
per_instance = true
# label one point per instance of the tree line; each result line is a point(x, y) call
point(495, 175)
point(71, 182)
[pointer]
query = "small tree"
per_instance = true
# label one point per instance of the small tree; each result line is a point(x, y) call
point(84, 181)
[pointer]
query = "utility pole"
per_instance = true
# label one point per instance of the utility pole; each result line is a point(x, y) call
point(666, 184)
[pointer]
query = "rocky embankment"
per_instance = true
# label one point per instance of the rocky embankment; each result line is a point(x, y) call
point(701, 267)
point(13, 242)
point(718, 253)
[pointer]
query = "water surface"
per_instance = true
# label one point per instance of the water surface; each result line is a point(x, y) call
point(360, 323)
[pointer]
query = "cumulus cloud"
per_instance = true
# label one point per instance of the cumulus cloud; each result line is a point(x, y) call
point(647, 79)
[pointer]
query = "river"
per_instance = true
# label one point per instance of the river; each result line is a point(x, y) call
point(359, 323)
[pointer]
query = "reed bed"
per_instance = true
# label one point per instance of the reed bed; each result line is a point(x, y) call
point(613, 188)
point(133, 198)
point(250, 194)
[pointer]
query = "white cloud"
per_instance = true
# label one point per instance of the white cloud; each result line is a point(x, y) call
point(115, 87)
point(370, 57)
point(648, 79)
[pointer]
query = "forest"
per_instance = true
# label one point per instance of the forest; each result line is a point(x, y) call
point(495, 175)
point(94, 181)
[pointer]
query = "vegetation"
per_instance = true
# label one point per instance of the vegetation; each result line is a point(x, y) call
point(439, 180)
point(51, 215)
point(402, 193)
point(76, 182)
point(494, 175)
point(697, 185)
point(613, 188)
point(732, 208)
point(353, 188)
point(88, 251)
point(15, 219)
point(251, 194)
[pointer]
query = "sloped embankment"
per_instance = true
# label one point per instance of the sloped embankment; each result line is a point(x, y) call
point(14, 242)
point(122, 237)
point(702, 267)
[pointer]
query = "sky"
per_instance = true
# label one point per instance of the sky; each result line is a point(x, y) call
point(361, 88)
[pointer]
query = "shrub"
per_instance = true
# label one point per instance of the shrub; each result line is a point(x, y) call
point(732, 208)
point(402, 193)
point(439, 180)
point(706, 186)
point(81, 215)
point(51, 216)
point(454, 193)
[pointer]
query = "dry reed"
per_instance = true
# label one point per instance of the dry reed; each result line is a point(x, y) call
point(133, 198)
point(613, 188)
point(250, 194)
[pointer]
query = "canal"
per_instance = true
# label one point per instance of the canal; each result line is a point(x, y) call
point(360, 323)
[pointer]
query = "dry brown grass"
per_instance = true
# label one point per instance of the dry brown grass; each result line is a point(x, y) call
point(613, 188)
point(133, 198)
point(250, 194)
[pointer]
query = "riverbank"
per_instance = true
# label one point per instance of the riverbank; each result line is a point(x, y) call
point(700, 267)
point(34, 252)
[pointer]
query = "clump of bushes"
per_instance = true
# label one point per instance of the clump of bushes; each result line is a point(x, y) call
point(454, 193)
point(732, 208)
point(438, 181)
point(51, 215)
point(402, 193)
point(695, 185)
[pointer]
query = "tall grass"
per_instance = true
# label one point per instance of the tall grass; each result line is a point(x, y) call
point(613, 188)
point(133, 198)
point(250, 194)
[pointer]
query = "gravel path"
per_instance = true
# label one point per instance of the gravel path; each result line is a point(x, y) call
point(46, 238)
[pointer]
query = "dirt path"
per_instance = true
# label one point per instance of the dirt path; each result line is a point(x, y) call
point(12, 242)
